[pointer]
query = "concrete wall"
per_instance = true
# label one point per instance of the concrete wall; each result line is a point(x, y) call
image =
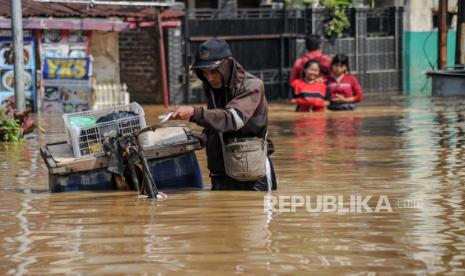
point(104, 48)
point(419, 14)
point(420, 44)
point(420, 48)
point(140, 65)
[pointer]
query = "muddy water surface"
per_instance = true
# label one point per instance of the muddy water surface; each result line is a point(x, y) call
point(408, 150)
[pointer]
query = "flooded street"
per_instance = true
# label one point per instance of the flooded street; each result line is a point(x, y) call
point(410, 150)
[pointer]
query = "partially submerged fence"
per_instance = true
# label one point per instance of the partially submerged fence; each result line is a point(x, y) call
point(110, 94)
point(267, 41)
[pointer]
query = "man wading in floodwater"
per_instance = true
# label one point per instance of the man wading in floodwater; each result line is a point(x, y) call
point(235, 123)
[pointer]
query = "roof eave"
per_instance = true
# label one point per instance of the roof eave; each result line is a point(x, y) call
point(168, 3)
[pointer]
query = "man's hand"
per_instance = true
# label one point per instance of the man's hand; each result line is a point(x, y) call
point(183, 112)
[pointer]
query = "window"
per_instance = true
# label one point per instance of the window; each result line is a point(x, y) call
point(450, 17)
point(206, 4)
point(248, 3)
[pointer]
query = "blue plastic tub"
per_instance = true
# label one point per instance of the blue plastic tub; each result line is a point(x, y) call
point(96, 180)
point(177, 172)
point(172, 167)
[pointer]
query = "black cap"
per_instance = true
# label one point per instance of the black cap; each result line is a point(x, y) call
point(211, 53)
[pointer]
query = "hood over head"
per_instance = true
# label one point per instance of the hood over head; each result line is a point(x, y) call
point(232, 72)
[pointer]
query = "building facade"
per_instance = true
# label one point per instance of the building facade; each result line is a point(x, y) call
point(421, 43)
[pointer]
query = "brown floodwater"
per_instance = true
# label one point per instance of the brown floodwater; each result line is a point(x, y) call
point(409, 150)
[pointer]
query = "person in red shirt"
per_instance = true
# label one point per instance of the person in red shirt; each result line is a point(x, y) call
point(344, 88)
point(310, 92)
point(312, 44)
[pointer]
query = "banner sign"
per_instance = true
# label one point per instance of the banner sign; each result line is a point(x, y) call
point(66, 85)
point(7, 68)
point(66, 68)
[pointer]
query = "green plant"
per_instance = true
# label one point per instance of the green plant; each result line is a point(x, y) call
point(345, 3)
point(10, 130)
point(308, 2)
point(291, 4)
point(298, 4)
point(336, 21)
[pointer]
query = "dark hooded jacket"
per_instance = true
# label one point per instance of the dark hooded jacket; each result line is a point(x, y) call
point(241, 111)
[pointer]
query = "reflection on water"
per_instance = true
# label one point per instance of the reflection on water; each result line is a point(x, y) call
point(409, 149)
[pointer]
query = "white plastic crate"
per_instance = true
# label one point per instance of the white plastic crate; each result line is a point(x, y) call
point(85, 135)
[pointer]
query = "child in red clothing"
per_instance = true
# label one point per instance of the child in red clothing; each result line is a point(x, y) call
point(310, 92)
point(344, 87)
point(313, 45)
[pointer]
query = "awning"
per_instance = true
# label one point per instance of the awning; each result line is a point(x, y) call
point(97, 24)
point(91, 14)
point(84, 9)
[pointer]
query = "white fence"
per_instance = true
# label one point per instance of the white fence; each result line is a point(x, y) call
point(107, 95)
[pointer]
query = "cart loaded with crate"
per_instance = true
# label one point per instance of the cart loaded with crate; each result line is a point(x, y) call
point(113, 149)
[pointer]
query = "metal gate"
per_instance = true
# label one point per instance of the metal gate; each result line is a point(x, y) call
point(266, 42)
